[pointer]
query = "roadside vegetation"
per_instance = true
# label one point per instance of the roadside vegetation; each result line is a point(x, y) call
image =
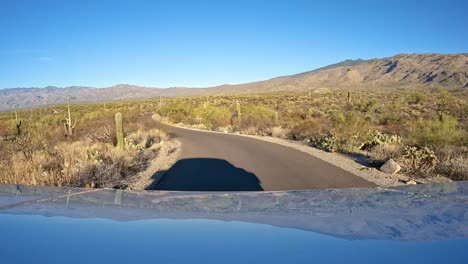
point(424, 131)
point(79, 147)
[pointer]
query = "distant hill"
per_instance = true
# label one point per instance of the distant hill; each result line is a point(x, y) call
point(403, 70)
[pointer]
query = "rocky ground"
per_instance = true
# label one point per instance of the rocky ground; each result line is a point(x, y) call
point(168, 154)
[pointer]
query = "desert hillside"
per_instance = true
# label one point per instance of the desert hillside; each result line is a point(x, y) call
point(403, 70)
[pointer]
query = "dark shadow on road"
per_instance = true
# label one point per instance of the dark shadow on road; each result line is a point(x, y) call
point(207, 174)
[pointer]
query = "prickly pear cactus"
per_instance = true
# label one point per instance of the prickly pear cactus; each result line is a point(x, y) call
point(378, 138)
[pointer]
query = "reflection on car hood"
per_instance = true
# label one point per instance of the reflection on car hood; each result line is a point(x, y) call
point(410, 213)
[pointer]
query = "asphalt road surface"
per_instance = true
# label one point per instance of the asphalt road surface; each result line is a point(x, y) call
point(225, 162)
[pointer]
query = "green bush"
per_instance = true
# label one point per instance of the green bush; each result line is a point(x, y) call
point(257, 116)
point(212, 116)
point(350, 129)
point(439, 132)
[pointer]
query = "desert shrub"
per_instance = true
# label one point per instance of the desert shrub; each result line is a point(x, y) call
point(350, 130)
point(177, 111)
point(456, 168)
point(366, 107)
point(142, 139)
point(258, 117)
point(277, 131)
point(453, 163)
point(381, 153)
point(311, 128)
point(213, 117)
point(417, 97)
point(439, 132)
point(82, 162)
point(102, 134)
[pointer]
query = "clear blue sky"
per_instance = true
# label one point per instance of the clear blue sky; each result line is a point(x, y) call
point(205, 43)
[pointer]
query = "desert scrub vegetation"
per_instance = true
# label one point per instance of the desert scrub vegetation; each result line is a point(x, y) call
point(425, 131)
point(75, 145)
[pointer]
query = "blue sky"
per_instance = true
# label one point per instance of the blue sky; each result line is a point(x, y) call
point(206, 43)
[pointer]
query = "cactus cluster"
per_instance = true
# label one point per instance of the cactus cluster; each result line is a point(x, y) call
point(422, 159)
point(378, 138)
point(328, 143)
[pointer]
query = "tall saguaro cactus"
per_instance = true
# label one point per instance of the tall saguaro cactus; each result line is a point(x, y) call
point(239, 113)
point(17, 123)
point(119, 130)
point(69, 125)
point(348, 99)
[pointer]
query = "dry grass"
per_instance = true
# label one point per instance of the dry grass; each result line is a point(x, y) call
point(277, 131)
point(42, 155)
point(83, 163)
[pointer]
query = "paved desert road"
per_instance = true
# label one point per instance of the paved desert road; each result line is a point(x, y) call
point(224, 162)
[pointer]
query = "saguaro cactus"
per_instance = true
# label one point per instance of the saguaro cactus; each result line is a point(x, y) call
point(276, 118)
point(18, 124)
point(69, 126)
point(239, 112)
point(119, 130)
point(348, 99)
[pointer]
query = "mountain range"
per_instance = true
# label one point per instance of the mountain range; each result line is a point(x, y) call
point(400, 71)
